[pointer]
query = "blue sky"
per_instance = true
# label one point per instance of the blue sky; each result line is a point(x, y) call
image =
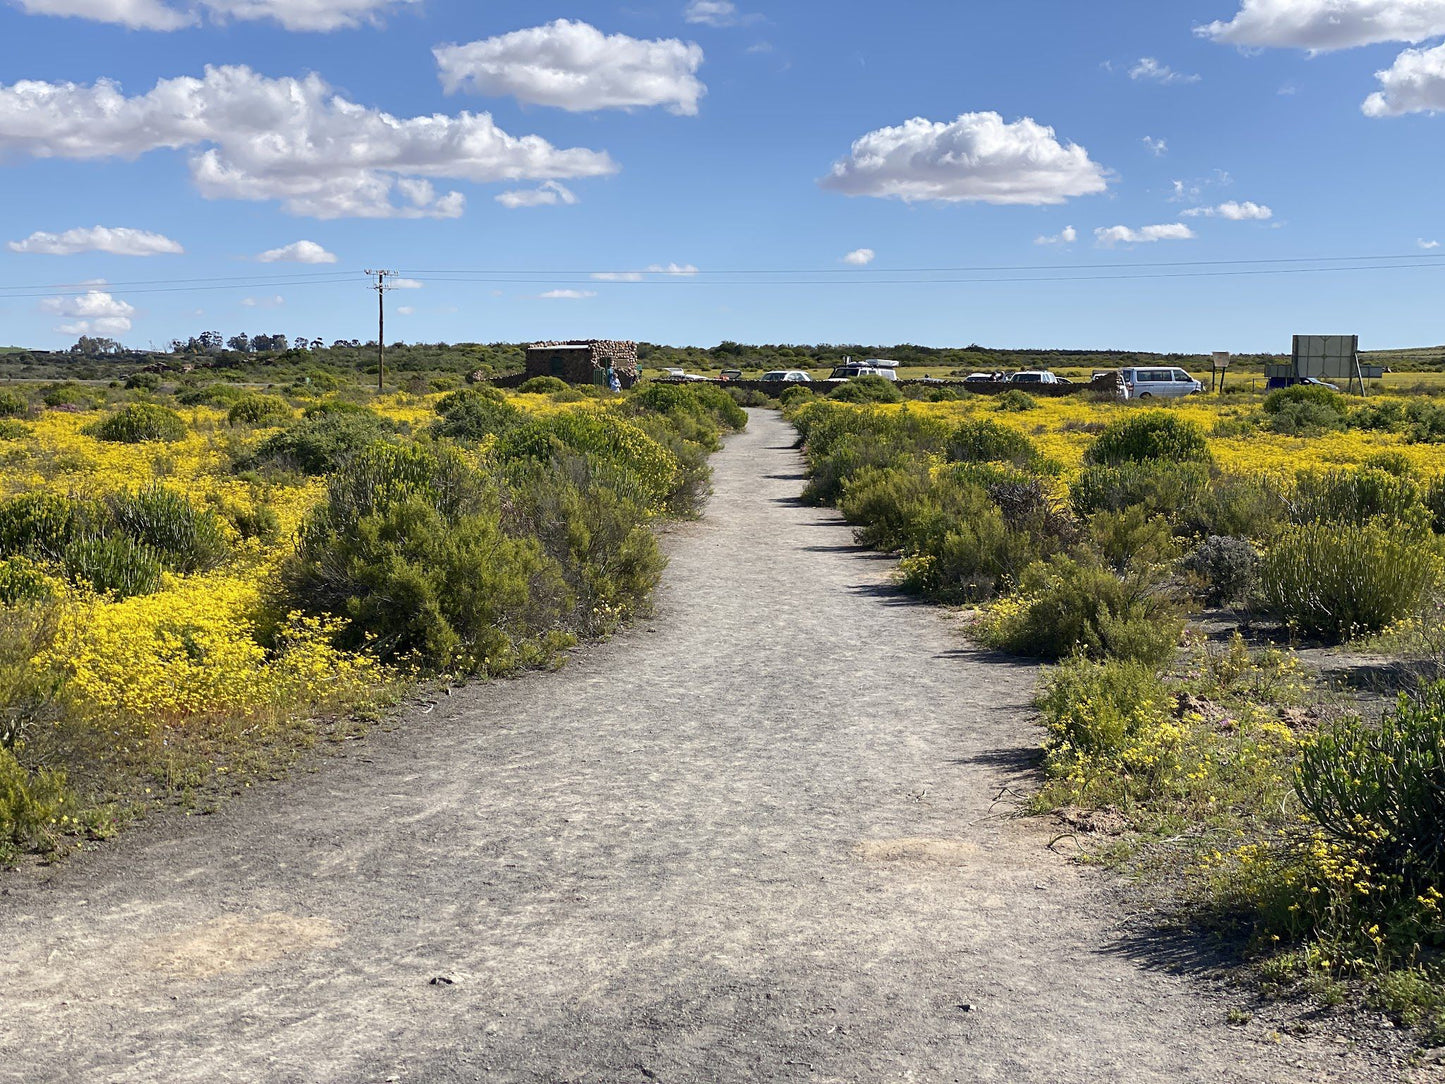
point(785, 170)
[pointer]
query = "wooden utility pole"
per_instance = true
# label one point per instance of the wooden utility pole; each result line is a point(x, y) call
point(381, 287)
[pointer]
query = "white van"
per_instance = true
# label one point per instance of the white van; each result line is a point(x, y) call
point(1159, 383)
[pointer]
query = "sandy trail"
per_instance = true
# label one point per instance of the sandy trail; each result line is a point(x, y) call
point(753, 839)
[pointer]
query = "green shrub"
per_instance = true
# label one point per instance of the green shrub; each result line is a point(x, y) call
point(1360, 496)
point(474, 414)
point(320, 444)
point(409, 551)
point(1074, 606)
point(143, 382)
point(590, 433)
point(259, 410)
point(841, 440)
point(867, 389)
point(1163, 488)
point(1283, 399)
point(1396, 463)
point(12, 404)
point(70, 395)
point(751, 397)
point(21, 581)
point(1152, 436)
point(185, 538)
point(1380, 791)
point(986, 441)
point(117, 565)
point(1106, 717)
point(139, 423)
point(259, 521)
point(1015, 401)
point(330, 408)
point(1237, 506)
point(699, 411)
point(1333, 581)
point(31, 806)
point(1305, 419)
point(1132, 537)
point(10, 429)
point(886, 503)
point(42, 525)
point(544, 385)
point(1225, 570)
point(598, 537)
point(217, 395)
point(795, 395)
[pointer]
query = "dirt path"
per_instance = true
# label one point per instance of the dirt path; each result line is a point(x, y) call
point(754, 839)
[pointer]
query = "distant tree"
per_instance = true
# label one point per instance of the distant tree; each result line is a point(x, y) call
point(301, 342)
point(318, 344)
point(279, 342)
point(240, 343)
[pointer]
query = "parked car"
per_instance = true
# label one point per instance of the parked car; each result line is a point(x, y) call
point(1274, 383)
point(788, 376)
point(981, 378)
point(674, 373)
point(853, 370)
point(730, 374)
point(1035, 376)
point(1159, 383)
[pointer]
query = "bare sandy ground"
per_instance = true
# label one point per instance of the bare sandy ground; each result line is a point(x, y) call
point(754, 839)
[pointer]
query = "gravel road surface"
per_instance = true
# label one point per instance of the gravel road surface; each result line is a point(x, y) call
point(757, 838)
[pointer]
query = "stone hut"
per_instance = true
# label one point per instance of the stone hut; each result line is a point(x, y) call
point(584, 361)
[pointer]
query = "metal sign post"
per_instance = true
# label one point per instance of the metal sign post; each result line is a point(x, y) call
point(1221, 366)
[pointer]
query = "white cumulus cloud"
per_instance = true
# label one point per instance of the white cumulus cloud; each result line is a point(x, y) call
point(292, 140)
point(1152, 71)
point(405, 284)
point(977, 157)
point(860, 257)
point(1234, 211)
point(680, 269)
point(406, 310)
point(154, 15)
point(273, 302)
point(1108, 236)
point(93, 312)
point(1415, 83)
point(1157, 147)
point(574, 66)
point(119, 241)
point(1427, 245)
point(567, 295)
point(717, 13)
point(1326, 25)
point(1065, 237)
point(297, 252)
point(547, 194)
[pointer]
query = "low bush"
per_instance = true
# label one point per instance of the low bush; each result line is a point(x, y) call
point(12, 404)
point(636, 456)
point(43, 525)
point(185, 538)
point(319, 445)
point(1281, 400)
point(33, 807)
point(117, 565)
point(1015, 401)
point(71, 395)
point(1105, 719)
point(1132, 537)
point(1224, 571)
point(839, 441)
point(217, 395)
point(23, 581)
point(986, 441)
point(1380, 791)
point(699, 412)
point(143, 382)
point(330, 408)
point(139, 423)
point(1332, 581)
point(1152, 436)
point(1076, 606)
point(475, 413)
point(259, 410)
point(1360, 496)
point(1305, 419)
point(544, 385)
point(795, 395)
point(1238, 506)
point(1175, 490)
point(408, 551)
point(867, 389)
